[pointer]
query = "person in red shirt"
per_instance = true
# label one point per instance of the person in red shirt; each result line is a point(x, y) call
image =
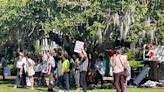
point(149, 51)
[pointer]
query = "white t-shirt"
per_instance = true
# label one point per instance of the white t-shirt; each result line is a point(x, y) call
point(20, 63)
point(51, 60)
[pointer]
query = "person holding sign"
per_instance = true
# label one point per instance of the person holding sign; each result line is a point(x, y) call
point(83, 69)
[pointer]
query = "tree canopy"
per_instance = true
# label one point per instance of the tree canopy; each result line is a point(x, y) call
point(100, 24)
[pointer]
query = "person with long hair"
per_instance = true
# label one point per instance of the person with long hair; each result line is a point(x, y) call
point(21, 70)
point(30, 70)
point(119, 63)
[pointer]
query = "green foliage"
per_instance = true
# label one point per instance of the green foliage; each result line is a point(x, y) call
point(38, 49)
point(92, 21)
point(130, 54)
point(135, 63)
point(12, 69)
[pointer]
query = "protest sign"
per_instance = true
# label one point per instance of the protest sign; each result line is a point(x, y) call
point(79, 45)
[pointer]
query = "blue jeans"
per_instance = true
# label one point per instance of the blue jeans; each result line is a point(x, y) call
point(17, 82)
point(64, 80)
point(21, 79)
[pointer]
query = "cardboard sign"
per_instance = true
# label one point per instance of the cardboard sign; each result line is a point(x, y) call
point(79, 45)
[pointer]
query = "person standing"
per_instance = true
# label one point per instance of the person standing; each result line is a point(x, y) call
point(65, 71)
point(119, 63)
point(83, 69)
point(58, 59)
point(5, 68)
point(76, 70)
point(30, 70)
point(21, 70)
point(51, 66)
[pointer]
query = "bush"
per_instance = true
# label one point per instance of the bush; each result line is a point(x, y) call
point(135, 63)
point(130, 54)
point(13, 70)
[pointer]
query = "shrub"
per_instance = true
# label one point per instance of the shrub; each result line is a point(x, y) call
point(130, 54)
point(13, 70)
point(135, 63)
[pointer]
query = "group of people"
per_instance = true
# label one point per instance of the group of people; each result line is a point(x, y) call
point(120, 69)
point(24, 65)
point(56, 65)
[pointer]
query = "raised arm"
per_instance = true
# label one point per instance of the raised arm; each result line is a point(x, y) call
point(84, 52)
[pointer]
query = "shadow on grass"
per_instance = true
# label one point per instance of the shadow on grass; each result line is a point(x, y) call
point(41, 90)
point(7, 81)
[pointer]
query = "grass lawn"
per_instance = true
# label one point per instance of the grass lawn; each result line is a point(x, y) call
point(9, 88)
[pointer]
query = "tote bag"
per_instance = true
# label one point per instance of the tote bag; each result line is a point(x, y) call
point(31, 71)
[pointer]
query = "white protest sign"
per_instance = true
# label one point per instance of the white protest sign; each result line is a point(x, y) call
point(79, 45)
